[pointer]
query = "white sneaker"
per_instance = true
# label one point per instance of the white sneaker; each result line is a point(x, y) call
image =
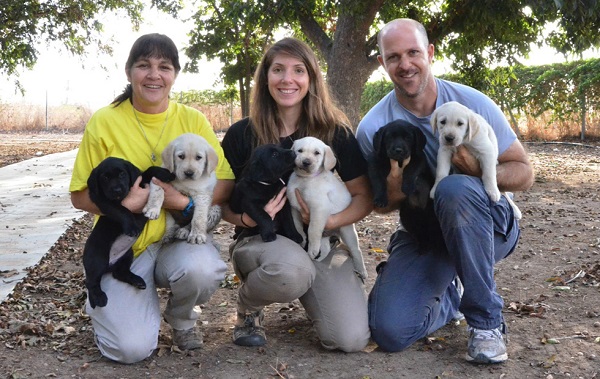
point(486, 346)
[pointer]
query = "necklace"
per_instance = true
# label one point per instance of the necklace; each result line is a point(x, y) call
point(153, 150)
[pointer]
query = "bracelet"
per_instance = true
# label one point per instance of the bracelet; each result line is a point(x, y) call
point(242, 220)
point(188, 208)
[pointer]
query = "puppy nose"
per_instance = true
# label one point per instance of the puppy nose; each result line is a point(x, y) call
point(305, 162)
point(449, 138)
point(398, 151)
point(189, 174)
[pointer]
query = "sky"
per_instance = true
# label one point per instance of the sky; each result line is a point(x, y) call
point(66, 79)
point(61, 78)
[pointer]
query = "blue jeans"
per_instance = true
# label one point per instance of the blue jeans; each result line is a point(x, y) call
point(414, 295)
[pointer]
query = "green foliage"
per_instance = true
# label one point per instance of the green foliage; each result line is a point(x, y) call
point(373, 92)
point(474, 35)
point(236, 33)
point(207, 97)
point(23, 24)
point(569, 92)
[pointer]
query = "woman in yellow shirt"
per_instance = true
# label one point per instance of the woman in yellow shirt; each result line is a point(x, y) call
point(137, 126)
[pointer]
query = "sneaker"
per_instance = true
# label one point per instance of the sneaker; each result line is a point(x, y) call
point(187, 339)
point(486, 346)
point(248, 330)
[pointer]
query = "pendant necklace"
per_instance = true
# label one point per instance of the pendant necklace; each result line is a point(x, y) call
point(153, 150)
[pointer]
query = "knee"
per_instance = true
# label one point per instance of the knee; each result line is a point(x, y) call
point(127, 350)
point(390, 336)
point(347, 341)
point(453, 188)
point(201, 273)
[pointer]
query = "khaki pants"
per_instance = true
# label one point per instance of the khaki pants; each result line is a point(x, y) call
point(331, 293)
point(126, 330)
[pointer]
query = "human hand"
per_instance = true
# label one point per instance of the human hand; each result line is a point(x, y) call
point(173, 198)
point(137, 197)
point(466, 162)
point(305, 212)
point(276, 203)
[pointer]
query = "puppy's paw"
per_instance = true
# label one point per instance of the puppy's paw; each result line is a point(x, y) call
point(182, 234)
point(131, 230)
point(361, 270)
point(151, 212)
point(131, 279)
point(268, 236)
point(314, 251)
point(493, 193)
point(197, 238)
point(432, 192)
point(97, 298)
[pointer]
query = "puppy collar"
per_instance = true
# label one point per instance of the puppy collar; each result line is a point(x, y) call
point(268, 184)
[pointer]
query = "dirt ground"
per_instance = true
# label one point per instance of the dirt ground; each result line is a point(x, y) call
point(550, 285)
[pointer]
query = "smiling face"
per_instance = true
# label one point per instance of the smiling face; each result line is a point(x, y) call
point(406, 56)
point(288, 81)
point(151, 80)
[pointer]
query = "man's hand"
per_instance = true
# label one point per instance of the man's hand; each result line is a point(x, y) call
point(466, 162)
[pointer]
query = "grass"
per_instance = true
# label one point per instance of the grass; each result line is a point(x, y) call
point(28, 118)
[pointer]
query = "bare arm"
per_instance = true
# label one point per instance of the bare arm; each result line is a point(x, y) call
point(514, 171)
point(177, 201)
point(135, 200)
point(394, 188)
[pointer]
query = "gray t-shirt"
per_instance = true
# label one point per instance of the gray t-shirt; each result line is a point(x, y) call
point(388, 109)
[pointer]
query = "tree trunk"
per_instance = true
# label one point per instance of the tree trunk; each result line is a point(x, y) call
point(348, 64)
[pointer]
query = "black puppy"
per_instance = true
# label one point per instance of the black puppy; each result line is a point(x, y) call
point(395, 143)
point(263, 178)
point(109, 183)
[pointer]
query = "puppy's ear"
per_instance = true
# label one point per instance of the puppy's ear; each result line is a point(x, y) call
point(473, 126)
point(256, 171)
point(168, 158)
point(420, 140)
point(211, 160)
point(329, 159)
point(132, 172)
point(433, 121)
point(378, 142)
point(92, 184)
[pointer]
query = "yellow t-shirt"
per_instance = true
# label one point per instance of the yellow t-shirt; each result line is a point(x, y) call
point(114, 132)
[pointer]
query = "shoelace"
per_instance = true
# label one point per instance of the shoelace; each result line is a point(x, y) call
point(486, 334)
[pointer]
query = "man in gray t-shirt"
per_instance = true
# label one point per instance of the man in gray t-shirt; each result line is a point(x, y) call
point(477, 232)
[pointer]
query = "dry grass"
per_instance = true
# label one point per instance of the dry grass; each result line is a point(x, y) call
point(543, 128)
point(27, 118)
point(35, 118)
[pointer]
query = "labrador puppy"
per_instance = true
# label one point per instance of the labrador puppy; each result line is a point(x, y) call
point(324, 194)
point(401, 143)
point(193, 161)
point(262, 179)
point(458, 125)
point(108, 249)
